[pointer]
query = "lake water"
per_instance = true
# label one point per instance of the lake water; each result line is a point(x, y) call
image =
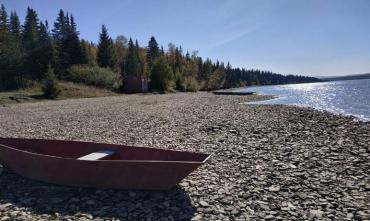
point(340, 97)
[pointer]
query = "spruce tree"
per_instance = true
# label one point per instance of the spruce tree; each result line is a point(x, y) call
point(187, 56)
point(88, 53)
point(15, 25)
point(142, 59)
point(47, 55)
point(30, 33)
point(178, 59)
point(10, 61)
point(105, 49)
point(51, 88)
point(152, 51)
point(84, 52)
point(60, 33)
point(161, 75)
point(31, 43)
point(132, 66)
point(44, 35)
point(3, 18)
point(10, 55)
point(72, 43)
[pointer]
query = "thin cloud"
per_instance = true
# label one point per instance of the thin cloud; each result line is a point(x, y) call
point(235, 34)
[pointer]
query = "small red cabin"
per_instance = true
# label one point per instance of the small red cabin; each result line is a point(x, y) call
point(135, 84)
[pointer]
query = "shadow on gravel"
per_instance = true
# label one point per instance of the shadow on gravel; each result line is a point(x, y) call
point(58, 201)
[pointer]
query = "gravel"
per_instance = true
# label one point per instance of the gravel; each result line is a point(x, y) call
point(269, 162)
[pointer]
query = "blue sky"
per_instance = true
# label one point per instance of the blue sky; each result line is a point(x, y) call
point(309, 37)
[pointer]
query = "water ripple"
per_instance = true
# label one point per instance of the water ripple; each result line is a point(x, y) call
point(341, 97)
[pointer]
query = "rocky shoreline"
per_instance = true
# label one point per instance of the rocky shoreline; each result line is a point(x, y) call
point(270, 162)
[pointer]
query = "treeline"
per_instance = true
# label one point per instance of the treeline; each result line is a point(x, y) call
point(241, 77)
point(33, 51)
point(347, 77)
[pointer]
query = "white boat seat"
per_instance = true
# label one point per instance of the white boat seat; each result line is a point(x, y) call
point(97, 155)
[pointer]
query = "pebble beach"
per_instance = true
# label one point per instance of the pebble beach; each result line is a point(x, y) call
point(269, 162)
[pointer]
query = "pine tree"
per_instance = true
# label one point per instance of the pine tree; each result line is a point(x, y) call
point(68, 46)
point(60, 33)
point(142, 59)
point(67, 25)
point(51, 88)
point(3, 18)
point(84, 52)
point(31, 43)
point(187, 56)
point(10, 55)
point(152, 51)
point(30, 33)
point(88, 53)
point(105, 49)
point(15, 25)
point(178, 59)
point(162, 51)
point(10, 61)
point(132, 65)
point(161, 75)
point(47, 55)
point(72, 43)
point(44, 35)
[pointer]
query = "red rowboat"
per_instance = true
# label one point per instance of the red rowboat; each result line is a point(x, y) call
point(97, 165)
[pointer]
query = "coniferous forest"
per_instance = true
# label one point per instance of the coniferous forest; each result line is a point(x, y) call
point(39, 51)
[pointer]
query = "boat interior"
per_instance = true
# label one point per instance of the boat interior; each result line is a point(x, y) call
point(98, 151)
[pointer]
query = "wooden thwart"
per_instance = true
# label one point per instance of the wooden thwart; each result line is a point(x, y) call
point(97, 155)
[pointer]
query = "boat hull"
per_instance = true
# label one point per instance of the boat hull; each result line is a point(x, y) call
point(148, 173)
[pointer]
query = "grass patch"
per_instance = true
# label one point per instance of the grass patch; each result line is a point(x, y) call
point(21, 96)
point(73, 90)
point(69, 90)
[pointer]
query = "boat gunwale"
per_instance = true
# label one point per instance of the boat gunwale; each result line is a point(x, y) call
point(106, 161)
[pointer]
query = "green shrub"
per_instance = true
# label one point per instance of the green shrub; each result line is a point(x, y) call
point(192, 85)
point(180, 82)
point(216, 79)
point(95, 76)
point(50, 87)
point(187, 84)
